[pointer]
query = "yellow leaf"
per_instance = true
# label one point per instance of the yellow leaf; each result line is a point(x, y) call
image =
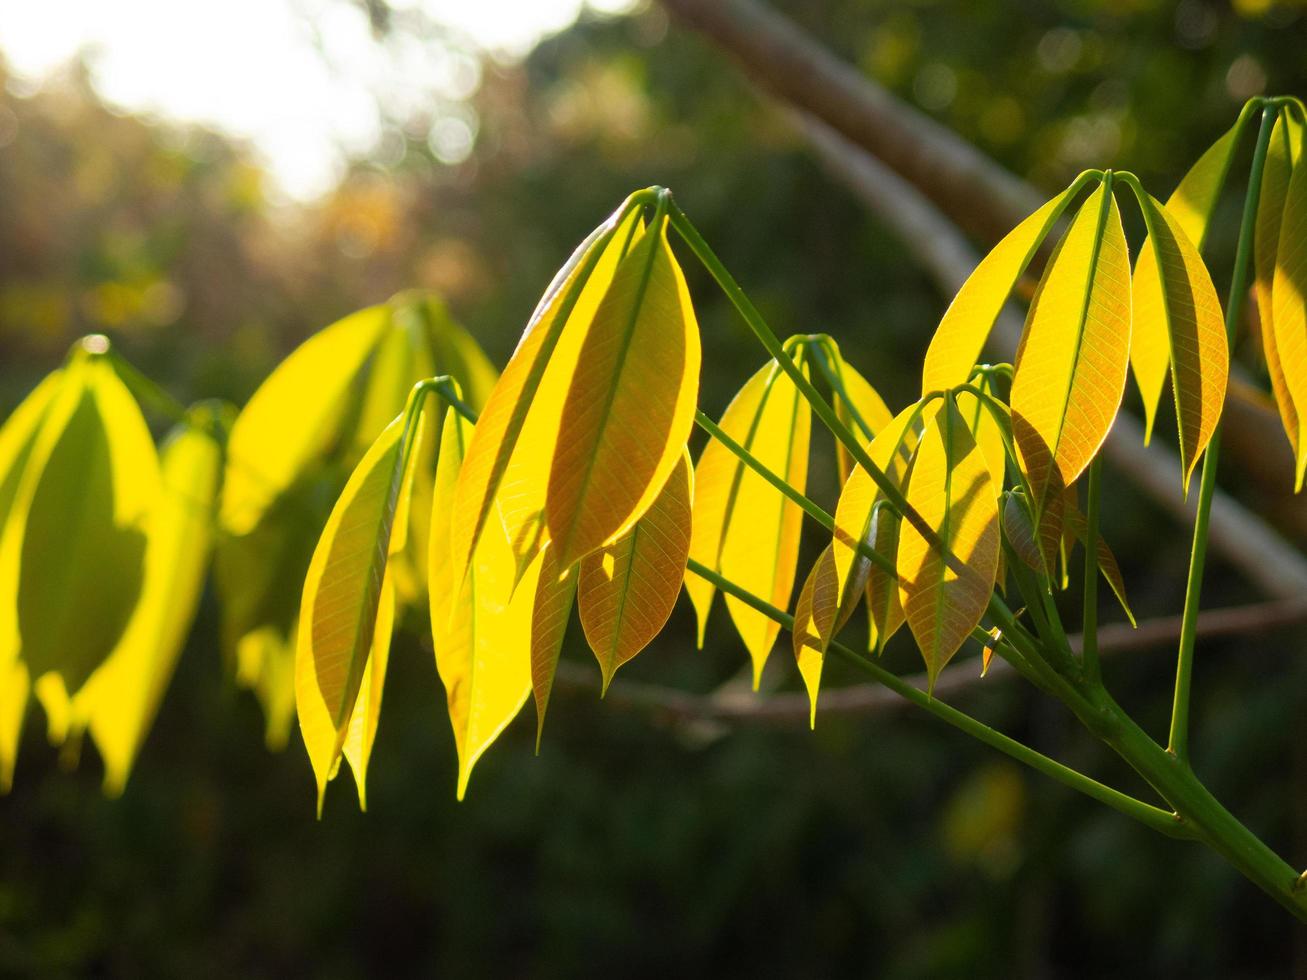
point(985, 429)
point(552, 607)
point(858, 405)
point(570, 301)
point(14, 686)
point(882, 589)
point(857, 518)
point(1190, 206)
point(1108, 567)
point(1174, 289)
point(628, 588)
point(1071, 366)
point(820, 613)
point(266, 664)
point(1289, 295)
point(631, 403)
point(966, 324)
point(342, 595)
point(367, 710)
point(295, 416)
point(950, 487)
point(122, 697)
point(744, 528)
point(1280, 157)
point(482, 636)
point(73, 540)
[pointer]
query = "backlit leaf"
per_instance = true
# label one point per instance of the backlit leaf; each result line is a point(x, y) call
point(1280, 157)
point(342, 596)
point(1071, 366)
point(481, 628)
point(295, 416)
point(550, 612)
point(1190, 207)
point(628, 588)
point(571, 300)
point(950, 487)
point(858, 405)
point(367, 709)
point(631, 403)
point(1176, 290)
point(744, 528)
point(985, 429)
point(815, 617)
point(962, 332)
point(1107, 563)
point(75, 530)
point(1289, 296)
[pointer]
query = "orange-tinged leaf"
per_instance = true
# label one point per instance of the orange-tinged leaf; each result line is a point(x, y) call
point(295, 416)
point(482, 636)
point(573, 296)
point(628, 588)
point(962, 332)
point(757, 544)
point(343, 593)
point(1176, 290)
point(950, 486)
point(631, 403)
point(1280, 158)
point(1071, 366)
point(1289, 295)
point(1190, 206)
point(550, 612)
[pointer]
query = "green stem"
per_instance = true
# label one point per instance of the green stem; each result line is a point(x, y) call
point(1154, 817)
point(1179, 736)
point(1089, 625)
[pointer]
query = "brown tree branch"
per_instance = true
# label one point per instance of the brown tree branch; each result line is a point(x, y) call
point(733, 705)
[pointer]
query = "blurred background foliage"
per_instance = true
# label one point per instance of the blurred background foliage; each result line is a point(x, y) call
point(883, 845)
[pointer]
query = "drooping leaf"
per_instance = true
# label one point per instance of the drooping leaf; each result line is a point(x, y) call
point(858, 405)
point(342, 595)
point(367, 709)
point(985, 429)
point(480, 626)
point(122, 697)
point(14, 684)
point(295, 416)
point(1289, 295)
point(1071, 366)
point(744, 528)
point(628, 588)
point(550, 612)
point(631, 403)
point(949, 485)
point(74, 538)
point(572, 298)
point(1190, 206)
point(962, 332)
point(815, 617)
point(885, 612)
point(1175, 289)
point(1107, 563)
point(1280, 158)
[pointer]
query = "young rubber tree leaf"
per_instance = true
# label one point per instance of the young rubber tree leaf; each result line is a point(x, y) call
point(74, 532)
point(631, 403)
point(295, 416)
point(1108, 567)
point(551, 609)
point(628, 588)
point(819, 615)
point(1289, 294)
point(14, 685)
point(1281, 155)
point(985, 429)
point(966, 324)
point(1190, 207)
point(342, 595)
point(1071, 365)
point(744, 528)
point(1174, 289)
point(571, 301)
point(950, 486)
point(122, 697)
point(480, 626)
point(858, 405)
point(367, 709)
point(884, 610)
